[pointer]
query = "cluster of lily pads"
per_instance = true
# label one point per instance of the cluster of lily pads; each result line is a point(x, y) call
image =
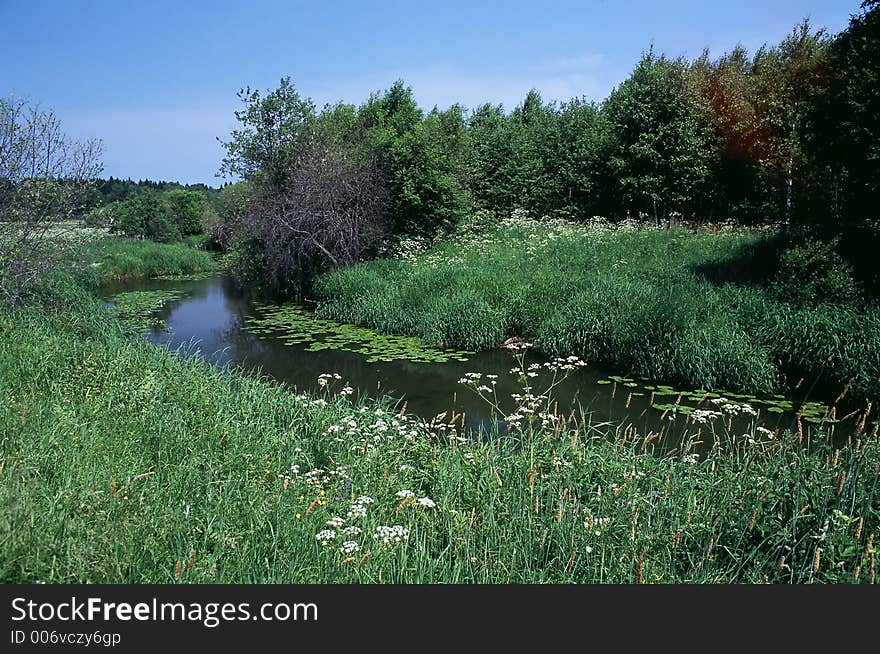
point(814, 412)
point(296, 325)
point(192, 277)
point(135, 310)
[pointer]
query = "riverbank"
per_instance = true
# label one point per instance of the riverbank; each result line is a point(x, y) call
point(115, 258)
point(676, 306)
point(122, 462)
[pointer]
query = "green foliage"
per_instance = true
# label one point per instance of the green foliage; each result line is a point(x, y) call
point(424, 158)
point(271, 126)
point(99, 217)
point(661, 144)
point(845, 137)
point(145, 215)
point(632, 300)
point(146, 467)
point(812, 271)
point(187, 208)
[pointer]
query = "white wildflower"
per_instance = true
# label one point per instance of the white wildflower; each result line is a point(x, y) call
point(349, 547)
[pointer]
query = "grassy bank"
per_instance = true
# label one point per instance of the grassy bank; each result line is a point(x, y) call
point(113, 257)
point(666, 305)
point(121, 462)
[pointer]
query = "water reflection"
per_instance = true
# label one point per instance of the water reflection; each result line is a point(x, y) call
point(210, 319)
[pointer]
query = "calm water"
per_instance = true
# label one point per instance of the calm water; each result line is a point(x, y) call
point(210, 320)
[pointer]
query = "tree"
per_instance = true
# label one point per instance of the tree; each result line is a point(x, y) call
point(331, 211)
point(662, 145)
point(231, 203)
point(187, 208)
point(580, 154)
point(45, 178)
point(490, 142)
point(846, 140)
point(271, 126)
point(788, 79)
point(145, 215)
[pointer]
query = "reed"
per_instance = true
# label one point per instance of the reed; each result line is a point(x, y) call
point(121, 462)
point(639, 301)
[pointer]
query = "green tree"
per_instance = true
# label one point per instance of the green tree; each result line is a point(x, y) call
point(662, 144)
point(187, 209)
point(145, 215)
point(423, 157)
point(491, 151)
point(271, 126)
point(846, 141)
point(582, 144)
point(787, 80)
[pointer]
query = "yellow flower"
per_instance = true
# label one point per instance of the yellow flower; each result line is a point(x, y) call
point(298, 516)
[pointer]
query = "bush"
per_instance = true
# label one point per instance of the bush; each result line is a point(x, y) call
point(99, 217)
point(145, 215)
point(813, 272)
point(187, 209)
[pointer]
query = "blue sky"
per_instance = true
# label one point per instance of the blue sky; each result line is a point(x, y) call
point(156, 80)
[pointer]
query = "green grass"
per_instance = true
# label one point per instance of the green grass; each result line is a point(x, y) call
point(113, 257)
point(121, 462)
point(634, 300)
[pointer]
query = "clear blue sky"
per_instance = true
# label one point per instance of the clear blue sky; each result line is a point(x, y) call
point(156, 80)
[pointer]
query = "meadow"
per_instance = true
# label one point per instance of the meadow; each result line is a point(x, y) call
point(122, 462)
point(680, 306)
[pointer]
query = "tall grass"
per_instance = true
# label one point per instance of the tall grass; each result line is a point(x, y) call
point(121, 258)
point(632, 299)
point(121, 462)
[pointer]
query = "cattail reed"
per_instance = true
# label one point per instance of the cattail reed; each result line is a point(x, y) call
point(841, 480)
point(633, 524)
point(753, 518)
point(858, 534)
point(816, 559)
point(676, 538)
point(640, 569)
point(570, 563)
point(192, 560)
point(178, 567)
point(532, 476)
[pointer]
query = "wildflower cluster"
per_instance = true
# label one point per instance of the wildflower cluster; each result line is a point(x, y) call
point(391, 535)
point(531, 407)
point(732, 408)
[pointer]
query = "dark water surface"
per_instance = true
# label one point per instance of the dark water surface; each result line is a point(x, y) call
point(211, 319)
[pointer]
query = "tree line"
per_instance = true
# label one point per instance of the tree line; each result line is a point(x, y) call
point(787, 135)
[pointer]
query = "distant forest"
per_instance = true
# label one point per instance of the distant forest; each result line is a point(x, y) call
point(113, 189)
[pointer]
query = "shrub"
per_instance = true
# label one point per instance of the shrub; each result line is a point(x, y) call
point(186, 208)
point(146, 216)
point(813, 272)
